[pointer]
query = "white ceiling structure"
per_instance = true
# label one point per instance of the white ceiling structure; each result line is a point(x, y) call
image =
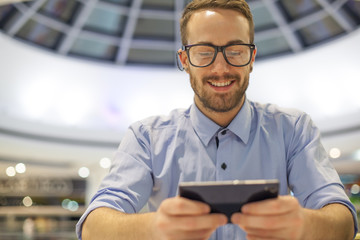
point(61, 111)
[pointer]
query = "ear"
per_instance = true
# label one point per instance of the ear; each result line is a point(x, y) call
point(253, 59)
point(183, 59)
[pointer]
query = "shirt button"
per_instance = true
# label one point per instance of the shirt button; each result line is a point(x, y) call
point(223, 166)
point(223, 132)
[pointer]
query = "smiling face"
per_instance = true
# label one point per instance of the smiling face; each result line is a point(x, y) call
point(219, 87)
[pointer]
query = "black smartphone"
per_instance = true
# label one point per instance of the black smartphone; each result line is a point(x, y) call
point(229, 196)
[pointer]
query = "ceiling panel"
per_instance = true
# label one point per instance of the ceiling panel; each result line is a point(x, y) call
point(106, 21)
point(39, 34)
point(320, 31)
point(91, 48)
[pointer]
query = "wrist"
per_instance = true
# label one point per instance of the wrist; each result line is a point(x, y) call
point(150, 220)
point(306, 226)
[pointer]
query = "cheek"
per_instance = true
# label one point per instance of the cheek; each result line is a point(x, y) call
point(195, 77)
point(246, 70)
point(194, 73)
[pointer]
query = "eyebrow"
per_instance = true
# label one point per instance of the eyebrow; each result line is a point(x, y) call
point(237, 42)
point(228, 43)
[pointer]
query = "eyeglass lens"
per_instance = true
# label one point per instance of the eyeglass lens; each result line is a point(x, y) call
point(203, 55)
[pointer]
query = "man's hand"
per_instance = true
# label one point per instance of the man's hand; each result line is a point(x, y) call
point(280, 218)
point(181, 218)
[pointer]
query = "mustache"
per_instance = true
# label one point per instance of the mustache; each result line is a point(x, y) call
point(225, 77)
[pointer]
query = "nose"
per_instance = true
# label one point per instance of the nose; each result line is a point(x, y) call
point(220, 65)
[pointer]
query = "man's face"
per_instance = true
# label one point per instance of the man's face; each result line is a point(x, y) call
point(219, 87)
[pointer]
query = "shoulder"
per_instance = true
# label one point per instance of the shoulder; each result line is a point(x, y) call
point(281, 117)
point(271, 111)
point(162, 122)
point(155, 129)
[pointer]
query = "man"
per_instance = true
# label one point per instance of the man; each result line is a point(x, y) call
point(222, 136)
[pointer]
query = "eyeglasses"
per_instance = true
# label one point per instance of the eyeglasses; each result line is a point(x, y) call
point(203, 55)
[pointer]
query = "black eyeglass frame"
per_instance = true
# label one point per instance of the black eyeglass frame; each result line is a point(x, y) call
point(219, 49)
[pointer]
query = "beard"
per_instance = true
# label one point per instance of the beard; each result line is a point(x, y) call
point(220, 102)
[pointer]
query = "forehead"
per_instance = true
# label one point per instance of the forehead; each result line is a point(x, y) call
point(217, 26)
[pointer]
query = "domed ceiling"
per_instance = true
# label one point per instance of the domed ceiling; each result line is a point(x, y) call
point(142, 32)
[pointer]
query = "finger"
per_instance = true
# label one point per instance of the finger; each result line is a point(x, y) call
point(267, 222)
point(284, 233)
point(280, 205)
point(183, 206)
point(191, 223)
point(248, 221)
point(256, 237)
point(193, 235)
point(190, 227)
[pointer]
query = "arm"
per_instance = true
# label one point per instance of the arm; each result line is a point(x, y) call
point(284, 218)
point(106, 223)
point(176, 218)
point(334, 220)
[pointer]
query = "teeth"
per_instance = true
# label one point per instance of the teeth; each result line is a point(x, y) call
point(220, 84)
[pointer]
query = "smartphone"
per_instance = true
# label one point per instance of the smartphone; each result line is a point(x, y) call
point(228, 197)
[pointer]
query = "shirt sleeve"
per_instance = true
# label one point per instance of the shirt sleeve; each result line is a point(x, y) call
point(128, 185)
point(312, 178)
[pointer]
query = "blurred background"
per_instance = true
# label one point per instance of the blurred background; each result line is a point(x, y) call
point(75, 73)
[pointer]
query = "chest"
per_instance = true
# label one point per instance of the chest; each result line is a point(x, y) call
point(227, 157)
point(224, 157)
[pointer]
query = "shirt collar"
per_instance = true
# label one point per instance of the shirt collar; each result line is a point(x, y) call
point(205, 128)
point(241, 124)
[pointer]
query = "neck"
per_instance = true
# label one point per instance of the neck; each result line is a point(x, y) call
point(223, 119)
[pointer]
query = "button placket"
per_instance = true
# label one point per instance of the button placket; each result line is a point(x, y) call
point(222, 162)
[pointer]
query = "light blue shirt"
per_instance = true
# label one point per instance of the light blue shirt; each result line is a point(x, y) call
point(262, 142)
